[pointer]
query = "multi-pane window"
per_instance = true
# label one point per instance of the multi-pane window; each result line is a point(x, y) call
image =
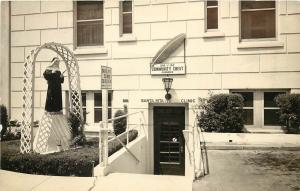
point(248, 108)
point(258, 19)
point(260, 109)
point(98, 107)
point(271, 117)
point(211, 14)
point(126, 17)
point(92, 106)
point(89, 23)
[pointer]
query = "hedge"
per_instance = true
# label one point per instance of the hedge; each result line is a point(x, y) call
point(75, 162)
point(289, 112)
point(222, 113)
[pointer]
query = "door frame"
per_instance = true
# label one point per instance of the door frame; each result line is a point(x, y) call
point(151, 132)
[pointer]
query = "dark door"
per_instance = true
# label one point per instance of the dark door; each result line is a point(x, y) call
point(168, 140)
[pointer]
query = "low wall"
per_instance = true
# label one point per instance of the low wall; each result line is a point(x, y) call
point(253, 139)
point(122, 161)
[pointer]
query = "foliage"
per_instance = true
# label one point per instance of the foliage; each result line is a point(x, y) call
point(119, 124)
point(74, 162)
point(222, 113)
point(115, 145)
point(78, 137)
point(289, 112)
point(4, 120)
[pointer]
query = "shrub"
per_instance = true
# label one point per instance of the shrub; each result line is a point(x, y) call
point(222, 113)
point(289, 112)
point(69, 163)
point(115, 145)
point(75, 162)
point(78, 137)
point(4, 120)
point(119, 124)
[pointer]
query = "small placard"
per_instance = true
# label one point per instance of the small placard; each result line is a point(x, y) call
point(106, 81)
point(167, 68)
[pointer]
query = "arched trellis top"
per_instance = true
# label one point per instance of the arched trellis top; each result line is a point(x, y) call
point(28, 89)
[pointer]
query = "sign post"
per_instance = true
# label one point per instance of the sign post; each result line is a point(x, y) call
point(106, 84)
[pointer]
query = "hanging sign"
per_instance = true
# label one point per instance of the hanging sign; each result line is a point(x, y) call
point(106, 82)
point(167, 68)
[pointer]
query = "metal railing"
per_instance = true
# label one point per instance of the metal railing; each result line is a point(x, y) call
point(194, 140)
point(103, 138)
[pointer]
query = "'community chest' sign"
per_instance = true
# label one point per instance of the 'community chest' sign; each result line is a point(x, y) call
point(175, 68)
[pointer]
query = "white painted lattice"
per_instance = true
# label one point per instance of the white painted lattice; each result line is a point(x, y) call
point(28, 89)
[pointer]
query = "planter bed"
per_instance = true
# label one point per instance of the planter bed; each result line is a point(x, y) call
point(74, 162)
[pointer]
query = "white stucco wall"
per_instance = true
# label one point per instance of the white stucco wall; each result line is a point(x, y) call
point(4, 55)
point(215, 62)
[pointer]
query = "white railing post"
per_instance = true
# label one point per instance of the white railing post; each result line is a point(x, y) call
point(103, 146)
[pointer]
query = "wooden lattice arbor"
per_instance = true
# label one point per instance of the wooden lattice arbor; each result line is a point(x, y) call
point(28, 90)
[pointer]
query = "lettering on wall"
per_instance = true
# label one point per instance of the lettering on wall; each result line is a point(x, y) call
point(150, 100)
point(174, 68)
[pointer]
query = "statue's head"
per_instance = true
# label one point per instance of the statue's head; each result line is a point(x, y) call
point(54, 64)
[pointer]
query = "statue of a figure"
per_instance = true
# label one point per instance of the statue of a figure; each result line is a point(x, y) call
point(54, 94)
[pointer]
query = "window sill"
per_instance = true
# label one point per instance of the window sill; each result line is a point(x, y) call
point(127, 38)
point(213, 34)
point(261, 44)
point(82, 51)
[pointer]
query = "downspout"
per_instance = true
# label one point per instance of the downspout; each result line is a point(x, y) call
point(9, 59)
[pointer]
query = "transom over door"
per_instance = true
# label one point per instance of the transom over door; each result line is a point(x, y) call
point(168, 140)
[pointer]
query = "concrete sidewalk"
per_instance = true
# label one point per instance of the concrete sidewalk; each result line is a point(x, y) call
point(12, 181)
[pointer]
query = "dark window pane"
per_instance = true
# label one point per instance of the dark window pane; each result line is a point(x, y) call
point(212, 3)
point(89, 10)
point(90, 33)
point(84, 114)
point(257, 4)
point(127, 6)
point(109, 113)
point(127, 23)
point(83, 98)
point(97, 115)
point(248, 116)
point(269, 98)
point(258, 24)
point(98, 99)
point(109, 99)
point(271, 117)
point(212, 18)
point(248, 98)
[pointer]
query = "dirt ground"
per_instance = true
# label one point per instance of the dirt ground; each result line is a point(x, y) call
point(245, 170)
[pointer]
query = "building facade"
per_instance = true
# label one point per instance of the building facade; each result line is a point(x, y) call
point(246, 47)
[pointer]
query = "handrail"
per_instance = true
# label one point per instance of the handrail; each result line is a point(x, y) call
point(103, 139)
point(126, 147)
point(119, 117)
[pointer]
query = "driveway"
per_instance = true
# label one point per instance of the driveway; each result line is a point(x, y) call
point(248, 170)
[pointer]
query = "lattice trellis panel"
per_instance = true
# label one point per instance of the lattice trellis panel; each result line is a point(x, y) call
point(28, 89)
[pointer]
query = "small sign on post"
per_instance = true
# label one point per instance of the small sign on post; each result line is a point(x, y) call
point(106, 83)
point(106, 77)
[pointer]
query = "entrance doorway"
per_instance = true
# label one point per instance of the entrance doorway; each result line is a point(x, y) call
point(169, 145)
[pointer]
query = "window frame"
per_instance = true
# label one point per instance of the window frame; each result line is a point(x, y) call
point(90, 106)
point(121, 13)
point(247, 107)
point(258, 39)
point(75, 29)
point(258, 107)
point(205, 20)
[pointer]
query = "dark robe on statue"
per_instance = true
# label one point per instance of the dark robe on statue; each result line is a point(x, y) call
point(54, 94)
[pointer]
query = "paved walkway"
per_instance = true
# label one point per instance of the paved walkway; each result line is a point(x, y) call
point(251, 170)
point(11, 181)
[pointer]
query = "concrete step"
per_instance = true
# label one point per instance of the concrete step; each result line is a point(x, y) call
point(144, 182)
